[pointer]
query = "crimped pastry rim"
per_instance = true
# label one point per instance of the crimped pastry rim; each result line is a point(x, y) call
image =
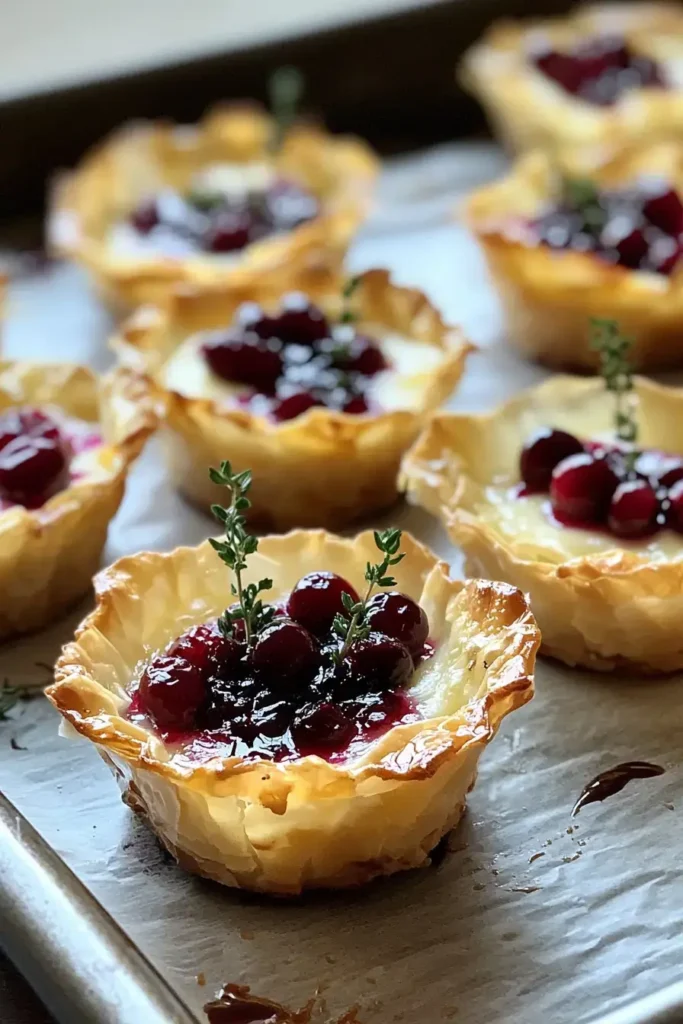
point(476, 721)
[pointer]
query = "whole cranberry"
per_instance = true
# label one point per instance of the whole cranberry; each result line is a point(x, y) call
point(379, 662)
point(672, 475)
point(581, 488)
point(295, 405)
point(205, 647)
point(317, 598)
point(664, 209)
point(244, 359)
point(26, 421)
point(366, 357)
point(633, 509)
point(674, 517)
point(356, 406)
point(542, 452)
point(661, 470)
point(251, 317)
point(322, 728)
point(300, 321)
point(34, 465)
point(231, 230)
point(398, 616)
point(229, 706)
point(145, 217)
point(284, 650)
point(171, 692)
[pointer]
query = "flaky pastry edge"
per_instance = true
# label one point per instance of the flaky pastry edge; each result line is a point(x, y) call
point(614, 610)
point(308, 818)
point(85, 202)
point(323, 468)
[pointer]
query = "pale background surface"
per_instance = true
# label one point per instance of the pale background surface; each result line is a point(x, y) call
point(47, 44)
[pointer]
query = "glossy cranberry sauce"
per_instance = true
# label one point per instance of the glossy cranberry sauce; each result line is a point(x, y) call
point(295, 360)
point(639, 228)
point(217, 222)
point(599, 71)
point(287, 697)
point(35, 455)
point(598, 486)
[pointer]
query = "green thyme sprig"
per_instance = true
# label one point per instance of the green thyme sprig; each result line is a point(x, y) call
point(582, 195)
point(285, 89)
point(348, 315)
point(353, 625)
point(614, 348)
point(234, 551)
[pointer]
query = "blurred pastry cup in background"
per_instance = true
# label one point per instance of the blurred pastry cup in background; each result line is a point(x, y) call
point(603, 78)
point(563, 247)
point(67, 440)
point(158, 204)
point(327, 466)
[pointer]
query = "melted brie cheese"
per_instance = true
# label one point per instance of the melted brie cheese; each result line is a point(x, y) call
point(528, 521)
point(402, 386)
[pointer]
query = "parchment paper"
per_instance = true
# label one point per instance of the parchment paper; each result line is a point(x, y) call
point(531, 916)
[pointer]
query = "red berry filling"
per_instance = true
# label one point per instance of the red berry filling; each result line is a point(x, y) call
point(597, 487)
point(599, 71)
point(295, 358)
point(289, 695)
point(639, 228)
point(34, 457)
point(221, 223)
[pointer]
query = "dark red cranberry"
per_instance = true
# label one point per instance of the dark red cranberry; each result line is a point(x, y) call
point(379, 661)
point(295, 405)
point(366, 357)
point(145, 217)
point(581, 488)
point(659, 469)
point(665, 210)
point(322, 727)
point(229, 706)
point(171, 692)
point(561, 68)
point(674, 516)
point(284, 650)
point(205, 647)
point(229, 231)
point(299, 321)
point(251, 317)
point(356, 406)
point(631, 247)
point(542, 452)
point(672, 475)
point(244, 359)
point(398, 616)
point(317, 598)
point(30, 422)
point(633, 509)
point(33, 465)
point(664, 254)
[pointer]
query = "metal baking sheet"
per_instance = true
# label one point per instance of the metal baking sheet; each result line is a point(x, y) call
point(531, 915)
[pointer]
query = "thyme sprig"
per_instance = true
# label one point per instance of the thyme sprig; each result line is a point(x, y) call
point(348, 314)
point(285, 89)
point(582, 195)
point(234, 551)
point(615, 367)
point(353, 626)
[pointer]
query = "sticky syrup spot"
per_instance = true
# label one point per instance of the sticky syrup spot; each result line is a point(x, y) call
point(613, 780)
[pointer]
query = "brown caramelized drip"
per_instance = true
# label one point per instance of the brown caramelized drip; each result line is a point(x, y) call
point(235, 1005)
point(613, 780)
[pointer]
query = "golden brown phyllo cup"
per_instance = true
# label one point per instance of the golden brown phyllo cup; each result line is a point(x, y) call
point(143, 158)
point(48, 555)
point(601, 603)
point(284, 827)
point(323, 468)
point(529, 111)
point(550, 295)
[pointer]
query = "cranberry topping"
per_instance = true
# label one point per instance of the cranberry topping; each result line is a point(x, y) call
point(633, 509)
point(398, 616)
point(542, 452)
point(317, 598)
point(296, 359)
point(639, 228)
point(221, 223)
point(171, 692)
point(674, 515)
point(245, 359)
point(285, 650)
point(290, 694)
point(599, 70)
point(33, 457)
point(581, 488)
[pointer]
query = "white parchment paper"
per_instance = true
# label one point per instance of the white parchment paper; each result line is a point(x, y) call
point(531, 916)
